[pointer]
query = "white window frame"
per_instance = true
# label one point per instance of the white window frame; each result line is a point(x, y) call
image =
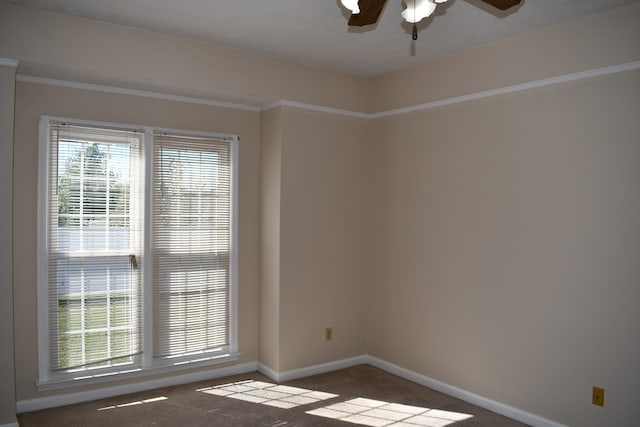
point(146, 364)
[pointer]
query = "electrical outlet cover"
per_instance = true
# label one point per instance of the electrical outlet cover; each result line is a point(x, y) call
point(598, 396)
point(328, 334)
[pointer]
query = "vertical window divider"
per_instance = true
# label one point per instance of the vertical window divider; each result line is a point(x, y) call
point(234, 249)
point(44, 151)
point(147, 265)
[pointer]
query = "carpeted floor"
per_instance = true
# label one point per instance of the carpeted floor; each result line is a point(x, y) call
point(362, 395)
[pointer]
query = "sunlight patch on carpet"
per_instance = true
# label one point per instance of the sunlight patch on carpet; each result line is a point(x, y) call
point(378, 413)
point(264, 393)
point(134, 403)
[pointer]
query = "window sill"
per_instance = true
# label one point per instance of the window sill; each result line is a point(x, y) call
point(131, 372)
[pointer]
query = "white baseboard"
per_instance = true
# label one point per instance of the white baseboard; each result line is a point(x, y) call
point(268, 372)
point(101, 393)
point(311, 370)
point(483, 402)
point(8, 62)
point(10, 424)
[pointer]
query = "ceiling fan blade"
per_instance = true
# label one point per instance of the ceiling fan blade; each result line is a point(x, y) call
point(502, 4)
point(369, 12)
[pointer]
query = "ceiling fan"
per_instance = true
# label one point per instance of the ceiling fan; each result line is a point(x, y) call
point(366, 12)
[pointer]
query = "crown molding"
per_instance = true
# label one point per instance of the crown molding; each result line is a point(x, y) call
point(565, 78)
point(135, 92)
point(317, 108)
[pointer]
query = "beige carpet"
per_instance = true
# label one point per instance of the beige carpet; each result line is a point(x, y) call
point(362, 395)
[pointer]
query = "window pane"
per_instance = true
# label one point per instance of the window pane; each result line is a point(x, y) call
point(191, 234)
point(96, 296)
point(94, 289)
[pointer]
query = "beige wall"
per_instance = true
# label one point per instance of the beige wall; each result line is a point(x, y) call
point(270, 191)
point(7, 386)
point(505, 247)
point(313, 232)
point(322, 237)
point(34, 100)
point(503, 231)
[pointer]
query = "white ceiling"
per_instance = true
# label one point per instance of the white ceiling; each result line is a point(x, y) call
point(315, 32)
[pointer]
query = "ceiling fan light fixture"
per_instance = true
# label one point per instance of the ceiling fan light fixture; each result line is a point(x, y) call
point(417, 10)
point(352, 5)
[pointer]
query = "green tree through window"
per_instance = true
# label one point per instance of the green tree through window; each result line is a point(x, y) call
point(89, 187)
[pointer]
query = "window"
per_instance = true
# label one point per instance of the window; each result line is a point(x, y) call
point(136, 265)
point(191, 241)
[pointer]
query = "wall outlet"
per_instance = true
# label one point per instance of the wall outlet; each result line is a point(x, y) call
point(328, 333)
point(598, 396)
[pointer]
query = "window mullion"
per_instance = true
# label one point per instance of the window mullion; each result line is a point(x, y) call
point(147, 292)
point(82, 273)
point(108, 203)
point(82, 317)
point(108, 310)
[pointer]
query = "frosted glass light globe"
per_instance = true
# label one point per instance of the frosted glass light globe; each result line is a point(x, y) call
point(352, 5)
point(417, 10)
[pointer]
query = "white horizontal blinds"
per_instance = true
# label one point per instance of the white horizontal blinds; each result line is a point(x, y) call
point(191, 244)
point(94, 221)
